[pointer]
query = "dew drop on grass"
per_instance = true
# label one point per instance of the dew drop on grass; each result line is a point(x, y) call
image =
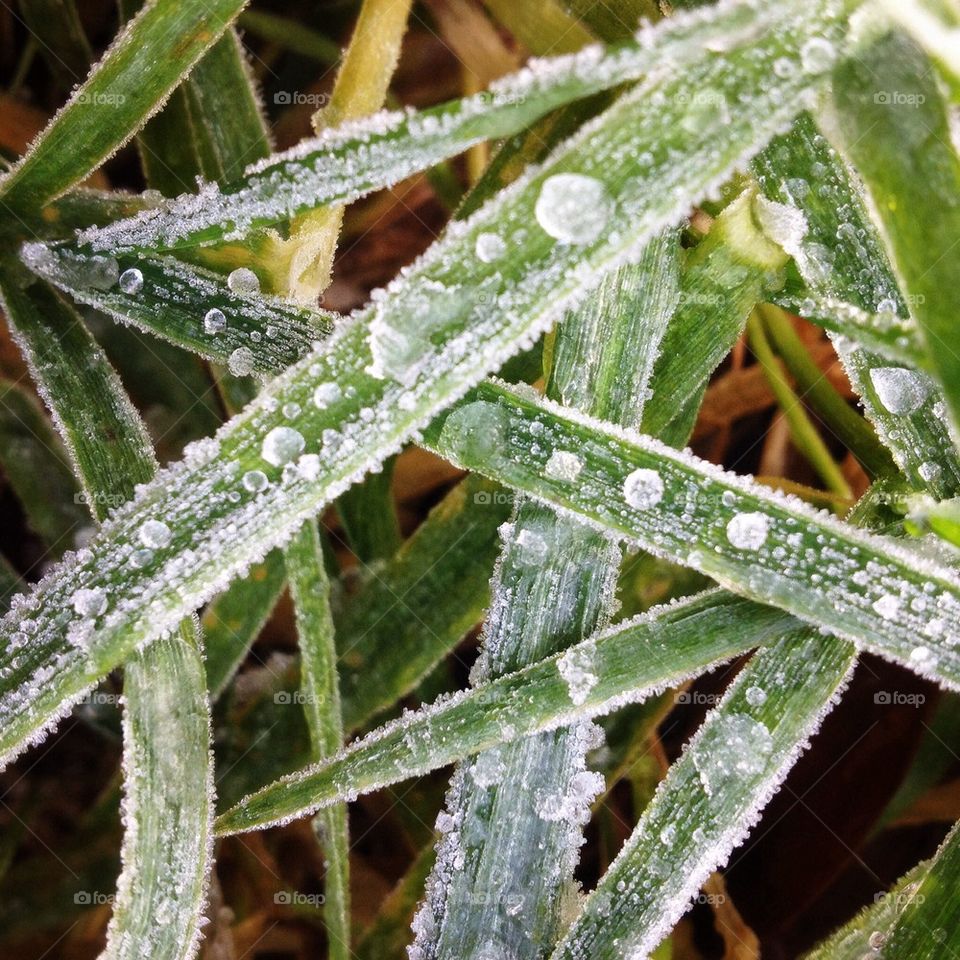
point(291, 410)
point(240, 363)
point(748, 531)
point(214, 321)
point(643, 489)
point(817, 55)
point(281, 445)
point(573, 208)
point(901, 391)
point(733, 746)
point(131, 281)
point(155, 534)
point(563, 465)
point(489, 247)
point(89, 601)
point(140, 558)
point(755, 696)
point(325, 395)
point(577, 667)
point(888, 606)
point(254, 481)
point(668, 834)
point(243, 280)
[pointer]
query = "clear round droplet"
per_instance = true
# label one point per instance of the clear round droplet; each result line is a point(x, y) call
point(131, 281)
point(155, 534)
point(243, 280)
point(281, 445)
point(255, 481)
point(240, 363)
point(573, 208)
point(489, 247)
point(214, 321)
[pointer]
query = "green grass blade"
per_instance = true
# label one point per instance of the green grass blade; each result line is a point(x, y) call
point(762, 544)
point(842, 257)
point(485, 312)
point(631, 661)
point(144, 63)
point(10, 583)
point(711, 796)
point(893, 122)
point(310, 591)
point(233, 620)
point(929, 925)
point(38, 471)
point(168, 803)
point(367, 155)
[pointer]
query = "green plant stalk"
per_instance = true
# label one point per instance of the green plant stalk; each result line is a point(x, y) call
point(855, 433)
point(804, 433)
point(310, 591)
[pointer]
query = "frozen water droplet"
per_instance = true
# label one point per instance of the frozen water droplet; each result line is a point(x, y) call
point(901, 391)
point(563, 465)
point(488, 768)
point(291, 410)
point(786, 226)
point(748, 531)
point(930, 471)
point(308, 466)
point(755, 696)
point(326, 394)
point(255, 481)
point(817, 55)
point(140, 558)
point(668, 834)
point(240, 363)
point(643, 489)
point(733, 746)
point(131, 281)
point(490, 247)
point(243, 280)
point(214, 321)
point(533, 546)
point(576, 666)
point(573, 208)
point(101, 273)
point(876, 940)
point(281, 445)
point(89, 601)
point(155, 534)
point(888, 606)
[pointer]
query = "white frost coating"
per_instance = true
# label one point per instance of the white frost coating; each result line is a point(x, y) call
point(155, 534)
point(573, 208)
point(576, 666)
point(326, 394)
point(89, 602)
point(731, 748)
point(748, 531)
point(900, 390)
point(281, 445)
point(563, 465)
point(243, 280)
point(817, 55)
point(643, 489)
point(214, 321)
point(241, 362)
point(490, 247)
point(785, 225)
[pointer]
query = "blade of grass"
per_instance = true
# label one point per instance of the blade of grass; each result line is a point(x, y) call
point(630, 661)
point(367, 155)
point(843, 257)
point(893, 123)
point(711, 796)
point(373, 416)
point(310, 591)
point(168, 803)
point(145, 62)
point(758, 542)
point(37, 469)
